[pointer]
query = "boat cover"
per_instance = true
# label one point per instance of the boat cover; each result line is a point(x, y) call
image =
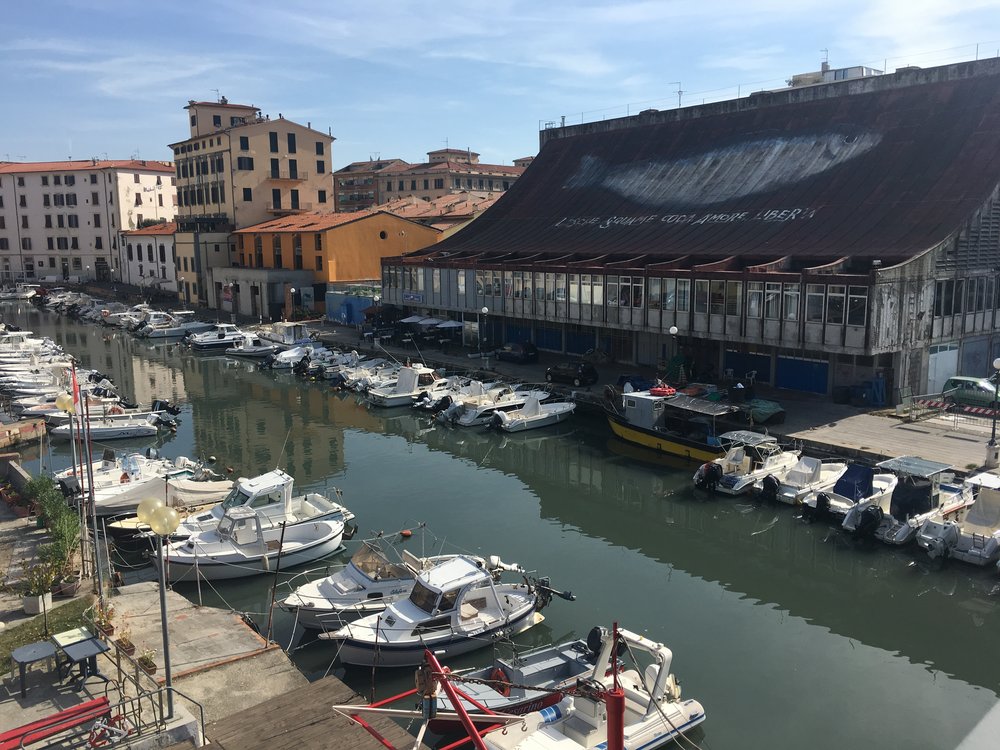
point(855, 483)
point(911, 497)
point(984, 516)
point(805, 472)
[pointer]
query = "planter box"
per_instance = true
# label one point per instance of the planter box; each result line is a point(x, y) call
point(147, 667)
point(33, 605)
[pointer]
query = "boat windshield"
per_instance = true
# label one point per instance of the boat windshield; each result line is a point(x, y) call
point(423, 597)
point(372, 562)
point(236, 498)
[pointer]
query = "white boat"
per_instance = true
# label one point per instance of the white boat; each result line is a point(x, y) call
point(975, 538)
point(924, 492)
point(750, 456)
point(252, 347)
point(219, 336)
point(452, 608)
point(286, 334)
point(412, 381)
point(115, 411)
point(859, 484)
point(369, 583)
point(289, 358)
point(808, 476)
point(533, 414)
point(20, 291)
point(653, 713)
point(476, 405)
point(126, 318)
point(164, 325)
point(271, 496)
point(114, 429)
point(240, 547)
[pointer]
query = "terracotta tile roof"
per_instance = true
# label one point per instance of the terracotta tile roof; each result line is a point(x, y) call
point(85, 165)
point(452, 207)
point(371, 165)
point(227, 105)
point(313, 221)
point(154, 229)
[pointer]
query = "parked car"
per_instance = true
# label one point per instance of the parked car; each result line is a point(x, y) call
point(970, 391)
point(575, 373)
point(523, 351)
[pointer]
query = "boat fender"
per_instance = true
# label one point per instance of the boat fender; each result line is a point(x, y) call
point(125, 478)
point(501, 681)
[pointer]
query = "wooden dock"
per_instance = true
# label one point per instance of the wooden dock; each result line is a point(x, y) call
point(302, 719)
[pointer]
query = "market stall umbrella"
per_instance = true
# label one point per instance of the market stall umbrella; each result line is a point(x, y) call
point(429, 321)
point(449, 324)
point(412, 319)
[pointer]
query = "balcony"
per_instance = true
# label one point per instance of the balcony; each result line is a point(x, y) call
point(283, 208)
point(286, 176)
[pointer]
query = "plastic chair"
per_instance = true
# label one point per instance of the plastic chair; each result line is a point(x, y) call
point(750, 377)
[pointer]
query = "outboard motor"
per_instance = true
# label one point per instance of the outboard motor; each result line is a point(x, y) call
point(495, 421)
point(810, 513)
point(268, 362)
point(70, 487)
point(708, 475)
point(769, 488)
point(152, 453)
point(869, 521)
point(164, 405)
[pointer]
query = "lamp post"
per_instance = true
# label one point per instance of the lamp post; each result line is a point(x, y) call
point(291, 302)
point(992, 453)
point(163, 521)
point(482, 321)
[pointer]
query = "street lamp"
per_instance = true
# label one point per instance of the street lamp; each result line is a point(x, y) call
point(163, 521)
point(992, 454)
point(485, 311)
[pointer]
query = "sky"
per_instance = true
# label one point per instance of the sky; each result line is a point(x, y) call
point(395, 79)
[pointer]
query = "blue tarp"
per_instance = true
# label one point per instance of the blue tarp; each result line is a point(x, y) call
point(855, 483)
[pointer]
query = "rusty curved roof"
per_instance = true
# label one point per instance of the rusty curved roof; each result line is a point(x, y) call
point(889, 172)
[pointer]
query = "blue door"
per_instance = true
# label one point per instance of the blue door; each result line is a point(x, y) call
point(810, 375)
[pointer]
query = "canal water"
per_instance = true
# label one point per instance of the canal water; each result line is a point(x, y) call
point(789, 634)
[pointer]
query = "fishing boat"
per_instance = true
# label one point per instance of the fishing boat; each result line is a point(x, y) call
point(808, 476)
point(924, 492)
point(975, 539)
point(240, 547)
point(452, 609)
point(533, 415)
point(643, 704)
point(750, 456)
point(859, 485)
point(677, 424)
point(372, 580)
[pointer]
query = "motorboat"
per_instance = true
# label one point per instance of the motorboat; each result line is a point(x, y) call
point(219, 336)
point(288, 358)
point(412, 381)
point(975, 539)
point(19, 292)
point(117, 411)
point(750, 456)
point(286, 334)
point(452, 609)
point(650, 711)
point(676, 424)
point(808, 476)
point(111, 428)
point(860, 484)
point(252, 347)
point(271, 496)
point(240, 547)
point(370, 582)
point(525, 682)
point(533, 415)
point(476, 405)
point(163, 325)
point(924, 492)
point(126, 318)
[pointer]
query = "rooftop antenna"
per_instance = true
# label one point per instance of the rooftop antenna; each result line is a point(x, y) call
point(680, 93)
point(216, 95)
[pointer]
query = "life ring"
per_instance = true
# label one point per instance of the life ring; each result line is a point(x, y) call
point(502, 682)
point(125, 478)
point(105, 313)
point(117, 410)
point(662, 390)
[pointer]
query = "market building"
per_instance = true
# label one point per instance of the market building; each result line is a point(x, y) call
point(819, 236)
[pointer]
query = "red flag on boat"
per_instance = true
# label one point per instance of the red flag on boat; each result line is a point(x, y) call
point(76, 391)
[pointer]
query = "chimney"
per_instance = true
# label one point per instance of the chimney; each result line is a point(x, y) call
point(824, 67)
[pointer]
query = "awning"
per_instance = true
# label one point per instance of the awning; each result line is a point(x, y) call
point(412, 319)
point(449, 324)
point(430, 322)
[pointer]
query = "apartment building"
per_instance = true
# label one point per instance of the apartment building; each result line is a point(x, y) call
point(61, 219)
point(306, 252)
point(447, 171)
point(148, 256)
point(235, 169)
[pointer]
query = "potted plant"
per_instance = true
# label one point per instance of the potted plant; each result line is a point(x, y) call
point(124, 639)
point(36, 588)
point(104, 613)
point(145, 661)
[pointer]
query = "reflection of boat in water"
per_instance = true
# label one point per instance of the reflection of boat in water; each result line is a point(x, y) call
point(679, 425)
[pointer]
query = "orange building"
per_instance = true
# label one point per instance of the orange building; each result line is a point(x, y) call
point(307, 251)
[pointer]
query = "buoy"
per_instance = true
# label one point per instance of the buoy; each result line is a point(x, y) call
point(406, 533)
